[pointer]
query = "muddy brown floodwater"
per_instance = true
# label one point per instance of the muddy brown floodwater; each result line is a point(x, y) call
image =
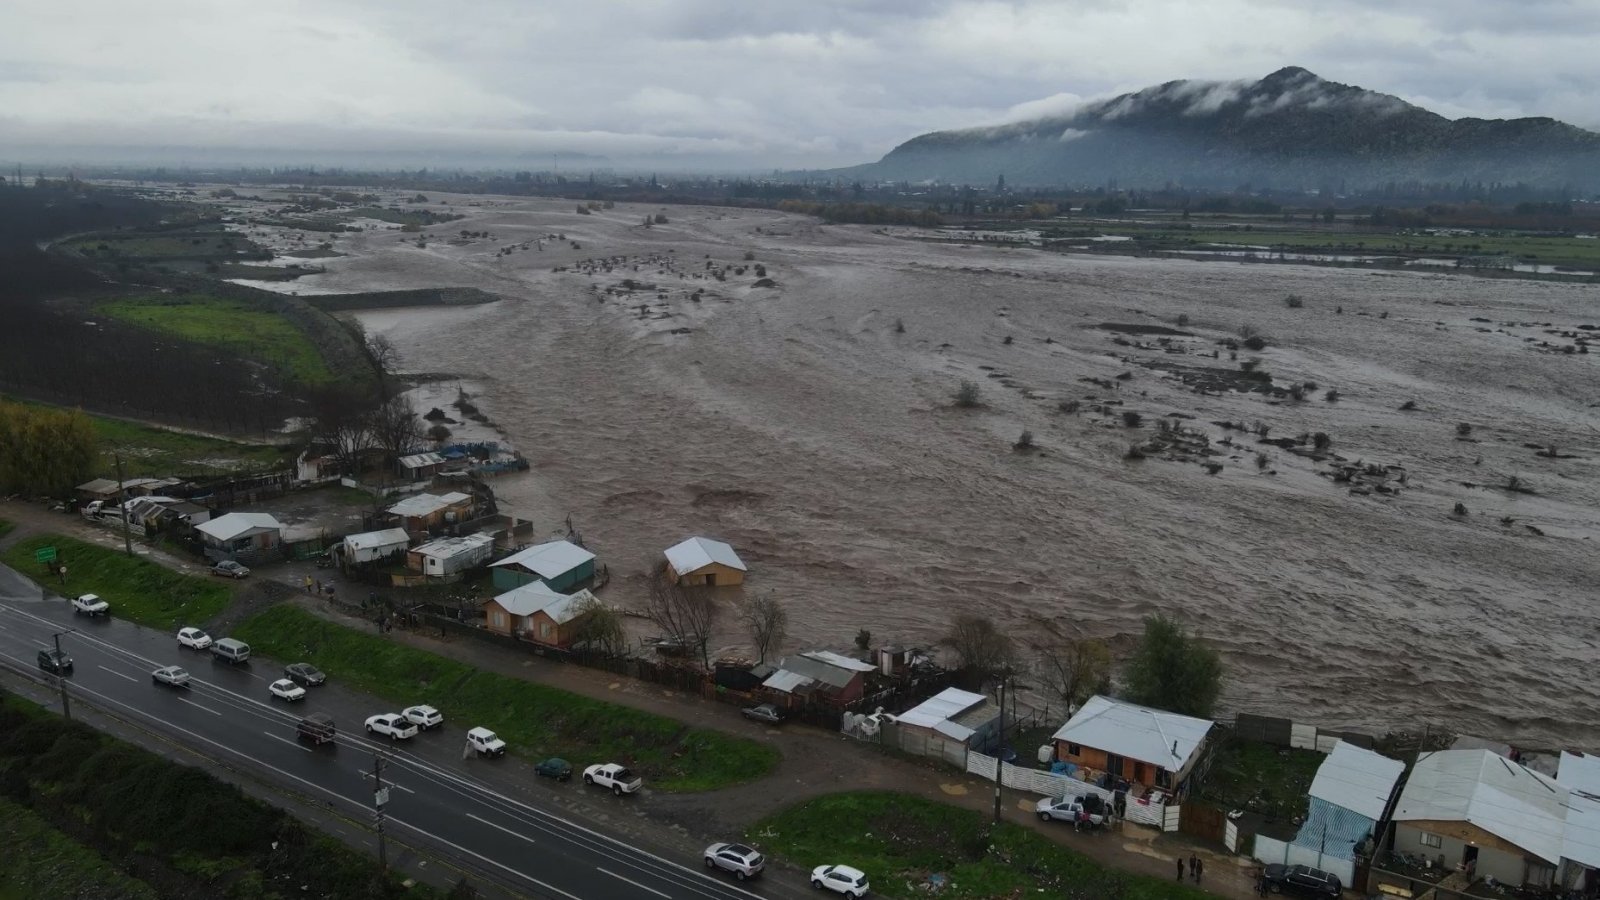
point(799, 423)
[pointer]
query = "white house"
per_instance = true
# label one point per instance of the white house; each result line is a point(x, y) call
point(447, 556)
point(703, 561)
point(1143, 746)
point(374, 545)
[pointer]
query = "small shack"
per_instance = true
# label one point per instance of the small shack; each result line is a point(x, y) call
point(370, 546)
point(447, 556)
point(1349, 797)
point(950, 716)
point(561, 565)
point(820, 675)
point(245, 537)
point(427, 512)
point(703, 561)
point(420, 466)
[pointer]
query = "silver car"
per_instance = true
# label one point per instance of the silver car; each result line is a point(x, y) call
point(744, 862)
point(171, 675)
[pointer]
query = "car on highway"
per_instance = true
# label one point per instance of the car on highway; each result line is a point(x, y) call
point(846, 880)
point(615, 776)
point(744, 862)
point(392, 725)
point(484, 742)
point(193, 638)
point(284, 689)
point(316, 728)
point(555, 767)
point(91, 605)
point(174, 676)
point(55, 661)
point(1302, 881)
point(229, 569)
point(305, 674)
point(425, 717)
point(766, 713)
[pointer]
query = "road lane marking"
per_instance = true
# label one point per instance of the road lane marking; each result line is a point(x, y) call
point(198, 706)
point(502, 828)
point(287, 741)
point(499, 865)
point(632, 882)
point(118, 674)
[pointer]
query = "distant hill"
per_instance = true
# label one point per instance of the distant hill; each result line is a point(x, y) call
point(1290, 129)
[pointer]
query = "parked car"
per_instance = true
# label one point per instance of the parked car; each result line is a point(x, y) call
point(284, 689)
point(744, 862)
point(425, 717)
point(91, 605)
point(193, 638)
point(304, 674)
point(1083, 811)
point(392, 725)
point(554, 767)
point(766, 713)
point(486, 743)
point(170, 675)
point(231, 651)
point(55, 661)
point(229, 569)
point(614, 776)
point(1303, 881)
point(316, 728)
point(846, 880)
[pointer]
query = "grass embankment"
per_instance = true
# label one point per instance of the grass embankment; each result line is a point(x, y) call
point(137, 589)
point(1554, 251)
point(899, 840)
point(5, 527)
point(231, 324)
point(193, 834)
point(150, 451)
point(536, 720)
point(1262, 778)
point(38, 862)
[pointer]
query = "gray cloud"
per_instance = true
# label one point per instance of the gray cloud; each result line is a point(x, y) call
point(715, 85)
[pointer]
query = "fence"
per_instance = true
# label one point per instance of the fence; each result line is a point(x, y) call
point(1165, 817)
point(1287, 733)
point(1272, 850)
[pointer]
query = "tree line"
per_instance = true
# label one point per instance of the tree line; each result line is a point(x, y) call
point(43, 450)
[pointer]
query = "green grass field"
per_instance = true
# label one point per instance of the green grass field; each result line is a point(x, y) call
point(536, 720)
point(1575, 252)
point(38, 862)
point(137, 589)
point(149, 451)
point(899, 840)
point(231, 324)
point(1261, 778)
point(156, 246)
point(5, 528)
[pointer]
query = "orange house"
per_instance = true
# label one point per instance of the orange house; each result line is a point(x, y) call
point(1144, 746)
point(702, 561)
point(536, 613)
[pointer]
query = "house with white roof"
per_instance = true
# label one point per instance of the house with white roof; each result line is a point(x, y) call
point(815, 674)
point(1489, 817)
point(951, 716)
point(703, 561)
point(246, 537)
point(370, 546)
point(1580, 847)
point(420, 466)
point(561, 565)
point(1145, 747)
point(425, 512)
point(536, 613)
point(1350, 795)
point(449, 555)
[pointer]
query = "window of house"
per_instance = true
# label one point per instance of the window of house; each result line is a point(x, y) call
point(499, 620)
point(1074, 750)
point(1430, 840)
point(544, 629)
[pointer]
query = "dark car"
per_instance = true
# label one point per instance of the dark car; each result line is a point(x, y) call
point(316, 728)
point(766, 712)
point(1302, 881)
point(304, 674)
point(55, 661)
point(556, 768)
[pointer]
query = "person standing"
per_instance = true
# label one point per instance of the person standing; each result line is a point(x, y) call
point(308, 584)
point(1199, 869)
point(1180, 868)
point(1194, 863)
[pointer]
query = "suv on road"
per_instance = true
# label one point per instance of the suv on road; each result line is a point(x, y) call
point(1303, 881)
point(486, 743)
point(231, 651)
point(744, 862)
point(55, 661)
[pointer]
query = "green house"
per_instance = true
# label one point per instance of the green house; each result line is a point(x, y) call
point(562, 565)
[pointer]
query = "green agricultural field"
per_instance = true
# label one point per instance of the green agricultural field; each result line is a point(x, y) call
point(137, 589)
point(38, 862)
point(232, 324)
point(900, 840)
point(1551, 251)
point(158, 245)
point(400, 216)
point(536, 720)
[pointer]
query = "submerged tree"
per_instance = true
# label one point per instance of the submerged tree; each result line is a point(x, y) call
point(979, 646)
point(768, 622)
point(1173, 670)
point(685, 613)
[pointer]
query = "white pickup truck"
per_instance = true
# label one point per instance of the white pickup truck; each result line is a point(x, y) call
point(392, 725)
point(90, 605)
point(611, 775)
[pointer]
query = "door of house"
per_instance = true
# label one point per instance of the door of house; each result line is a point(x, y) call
point(1469, 858)
point(1114, 764)
point(711, 580)
point(1138, 772)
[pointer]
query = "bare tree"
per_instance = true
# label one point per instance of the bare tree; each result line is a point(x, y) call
point(344, 421)
point(768, 622)
point(979, 646)
point(599, 627)
point(1072, 668)
point(396, 427)
point(685, 613)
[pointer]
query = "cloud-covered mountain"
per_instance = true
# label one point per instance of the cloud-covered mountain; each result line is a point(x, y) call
point(1290, 129)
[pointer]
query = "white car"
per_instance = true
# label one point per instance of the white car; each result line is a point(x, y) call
point(170, 675)
point(284, 689)
point(91, 605)
point(846, 880)
point(193, 638)
point(424, 717)
point(614, 776)
point(485, 743)
point(393, 725)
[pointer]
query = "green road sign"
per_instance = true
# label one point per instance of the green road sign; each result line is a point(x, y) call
point(44, 554)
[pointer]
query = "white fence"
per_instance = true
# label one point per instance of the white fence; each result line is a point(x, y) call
point(1271, 850)
point(1038, 781)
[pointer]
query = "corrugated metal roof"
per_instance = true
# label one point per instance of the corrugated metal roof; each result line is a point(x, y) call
point(1137, 732)
point(785, 681)
point(843, 662)
point(367, 540)
point(698, 552)
point(1357, 779)
point(551, 559)
point(450, 546)
point(1333, 829)
point(954, 731)
point(1510, 801)
point(235, 525)
point(421, 460)
point(941, 707)
point(426, 504)
point(1579, 771)
point(818, 670)
point(527, 599)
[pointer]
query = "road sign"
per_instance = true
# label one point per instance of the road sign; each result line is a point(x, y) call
point(44, 554)
point(381, 797)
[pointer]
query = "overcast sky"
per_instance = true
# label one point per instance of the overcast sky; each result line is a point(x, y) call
point(739, 85)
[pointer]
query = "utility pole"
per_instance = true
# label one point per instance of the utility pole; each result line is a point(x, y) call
point(61, 678)
point(380, 797)
point(1000, 752)
point(122, 494)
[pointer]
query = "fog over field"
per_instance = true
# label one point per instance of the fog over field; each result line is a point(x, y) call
point(801, 425)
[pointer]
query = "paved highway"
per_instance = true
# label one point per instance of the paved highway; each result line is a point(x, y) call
point(460, 808)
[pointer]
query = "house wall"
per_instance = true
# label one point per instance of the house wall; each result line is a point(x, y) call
point(509, 577)
point(543, 629)
point(1134, 770)
point(496, 618)
point(719, 575)
point(1502, 866)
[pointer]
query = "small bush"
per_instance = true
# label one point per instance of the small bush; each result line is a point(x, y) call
point(1255, 342)
point(1070, 407)
point(749, 255)
point(1262, 461)
point(969, 395)
point(1183, 320)
point(1213, 468)
point(899, 326)
point(1024, 441)
point(1321, 441)
point(1408, 406)
point(438, 434)
point(1294, 301)
point(1134, 452)
point(1331, 396)
point(1132, 419)
point(1463, 429)
point(1249, 365)
point(1461, 508)
point(1007, 341)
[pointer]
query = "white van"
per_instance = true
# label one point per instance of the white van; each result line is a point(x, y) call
point(231, 651)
